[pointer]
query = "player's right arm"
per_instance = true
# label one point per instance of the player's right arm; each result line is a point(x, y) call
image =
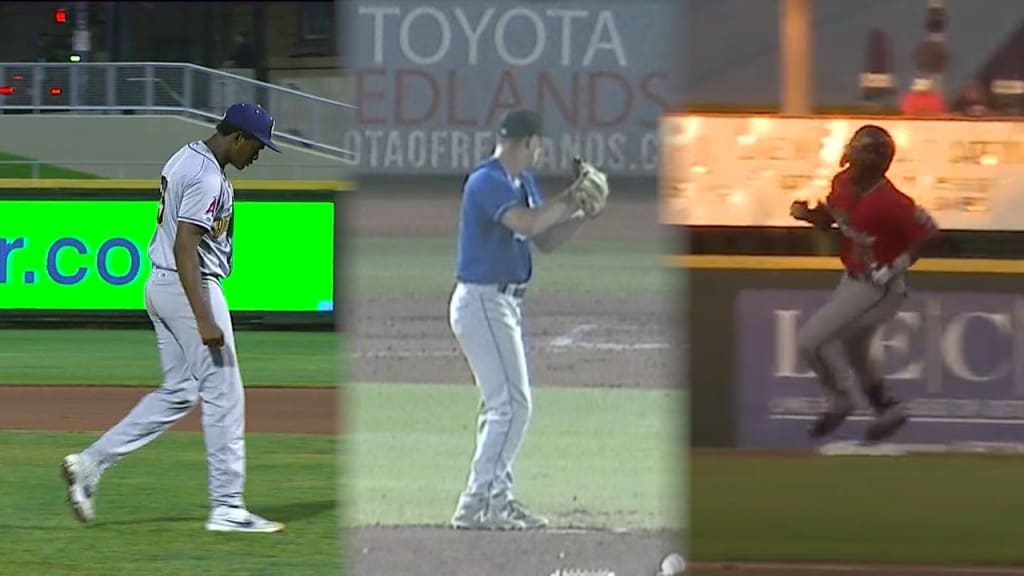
point(195, 219)
point(533, 222)
point(505, 204)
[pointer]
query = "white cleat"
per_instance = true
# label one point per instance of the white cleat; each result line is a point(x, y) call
point(80, 476)
point(227, 519)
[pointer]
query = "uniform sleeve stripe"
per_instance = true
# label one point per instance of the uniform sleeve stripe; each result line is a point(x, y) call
point(199, 223)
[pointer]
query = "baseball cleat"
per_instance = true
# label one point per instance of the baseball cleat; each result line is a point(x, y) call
point(886, 424)
point(530, 520)
point(227, 519)
point(468, 513)
point(481, 519)
point(80, 476)
point(829, 421)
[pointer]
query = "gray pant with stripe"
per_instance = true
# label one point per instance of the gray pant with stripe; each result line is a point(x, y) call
point(489, 328)
point(192, 371)
point(843, 328)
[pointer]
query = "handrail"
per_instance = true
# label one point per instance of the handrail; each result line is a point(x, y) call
point(261, 185)
point(35, 166)
point(176, 88)
point(188, 65)
point(298, 140)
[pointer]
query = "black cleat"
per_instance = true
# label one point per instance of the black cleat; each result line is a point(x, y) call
point(886, 423)
point(829, 421)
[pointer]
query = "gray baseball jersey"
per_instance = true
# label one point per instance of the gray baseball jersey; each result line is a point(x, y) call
point(194, 189)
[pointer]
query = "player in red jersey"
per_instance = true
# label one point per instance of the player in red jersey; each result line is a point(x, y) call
point(882, 231)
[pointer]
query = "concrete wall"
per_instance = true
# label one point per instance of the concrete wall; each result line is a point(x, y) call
point(138, 146)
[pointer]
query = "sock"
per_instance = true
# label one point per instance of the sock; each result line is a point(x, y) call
point(879, 397)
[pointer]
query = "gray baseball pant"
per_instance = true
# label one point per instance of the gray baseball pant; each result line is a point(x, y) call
point(844, 327)
point(489, 328)
point(192, 371)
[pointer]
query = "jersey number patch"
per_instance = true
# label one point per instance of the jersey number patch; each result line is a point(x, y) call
point(163, 200)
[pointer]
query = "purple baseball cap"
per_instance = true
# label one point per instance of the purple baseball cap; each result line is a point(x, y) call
point(253, 120)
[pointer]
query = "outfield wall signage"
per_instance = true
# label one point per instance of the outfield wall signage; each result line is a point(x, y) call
point(432, 79)
point(968, 173)
point(92, 255)
point(958, 358)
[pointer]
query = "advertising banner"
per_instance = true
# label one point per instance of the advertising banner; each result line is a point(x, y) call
point(958, 358)
point(432, 80)
point(92, 255)
point(746, 170)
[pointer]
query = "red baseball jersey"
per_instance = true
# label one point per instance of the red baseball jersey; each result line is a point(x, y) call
point(878, 226)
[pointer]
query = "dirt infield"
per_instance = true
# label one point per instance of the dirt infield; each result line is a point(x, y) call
point(440, 551)
point(604, 339)
point(611, 340)
point(88, 408)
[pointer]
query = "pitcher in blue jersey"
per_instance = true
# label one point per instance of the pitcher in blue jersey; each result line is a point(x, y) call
point(503, 215)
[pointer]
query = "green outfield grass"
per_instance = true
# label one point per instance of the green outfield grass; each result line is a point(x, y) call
point(153, 505)
point(918, 509)
point(593, 457)
point(399, 265)
point(130, 358)
point(46, 171)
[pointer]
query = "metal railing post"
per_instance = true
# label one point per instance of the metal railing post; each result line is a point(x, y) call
point(186, 87)
point(73, 81)
point(35, 169)
point(37, 86)
point(314, 135)
point(111, 98)
point(149, 85)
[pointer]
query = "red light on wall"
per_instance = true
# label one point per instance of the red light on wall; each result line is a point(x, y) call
point(60, 16)
point(18, 77)
point(6, 90)
point(55, 91)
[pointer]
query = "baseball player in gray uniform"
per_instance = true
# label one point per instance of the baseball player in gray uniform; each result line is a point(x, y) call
point(191, 251)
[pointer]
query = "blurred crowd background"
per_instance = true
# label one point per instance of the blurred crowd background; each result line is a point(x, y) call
point(915, 58)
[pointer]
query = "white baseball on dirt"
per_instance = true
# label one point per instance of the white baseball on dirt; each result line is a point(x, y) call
point(673, 565)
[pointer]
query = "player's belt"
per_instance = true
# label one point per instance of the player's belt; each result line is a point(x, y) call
point(513, 290)
point(201, 274)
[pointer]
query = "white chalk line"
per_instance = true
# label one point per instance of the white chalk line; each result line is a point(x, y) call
point(573, 340)
point(569, 338)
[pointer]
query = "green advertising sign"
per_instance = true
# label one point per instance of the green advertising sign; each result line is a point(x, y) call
point(92, 255)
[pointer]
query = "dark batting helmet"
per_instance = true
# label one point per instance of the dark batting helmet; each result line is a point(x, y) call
point(870, 149)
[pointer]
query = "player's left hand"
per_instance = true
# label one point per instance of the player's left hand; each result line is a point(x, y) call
point(799, 210)
point(589, 189)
